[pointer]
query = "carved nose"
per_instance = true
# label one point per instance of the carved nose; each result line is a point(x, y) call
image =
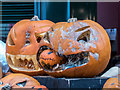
point(6, 87)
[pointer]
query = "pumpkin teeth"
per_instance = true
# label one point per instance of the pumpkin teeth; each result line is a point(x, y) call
point(79, 63)
point(23, 57)
point(24, 60)
point(74, 60)
point(56, 67)
point(28, 57)
point(18, 57)
point(13, 59)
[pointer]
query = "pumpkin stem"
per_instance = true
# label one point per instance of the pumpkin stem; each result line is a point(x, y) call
point(6, 87)
point(72, 20)
point(35, 18)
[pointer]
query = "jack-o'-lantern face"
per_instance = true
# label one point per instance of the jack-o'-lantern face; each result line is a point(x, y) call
point(14, 81)
point(22, 46)
point(85, 46)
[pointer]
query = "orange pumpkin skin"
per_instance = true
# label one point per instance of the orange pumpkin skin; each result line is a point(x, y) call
point(22, 46)
point(19, 81)
point(68, 39)
point(1, 73)
point(111, 84)
point(48, 59)
point(41, 87)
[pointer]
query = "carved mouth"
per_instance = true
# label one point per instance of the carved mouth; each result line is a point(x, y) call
point(71, 61)
point(23, 62)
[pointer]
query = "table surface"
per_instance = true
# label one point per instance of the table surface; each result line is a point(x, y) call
point(83, 83)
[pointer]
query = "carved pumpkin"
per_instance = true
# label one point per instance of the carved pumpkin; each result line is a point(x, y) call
point(85, 45)
point(48, 59)
point(22, 46)
point(19, 81)
point(112, 83)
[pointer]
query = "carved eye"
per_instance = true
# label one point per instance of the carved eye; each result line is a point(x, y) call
point(27, 35)
point(39, 36)
point(38, 39)
point(81, 29)
point(46, 37)
point(22, 84)
point(84, 36)
point(27, 42)
point(10, 41)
